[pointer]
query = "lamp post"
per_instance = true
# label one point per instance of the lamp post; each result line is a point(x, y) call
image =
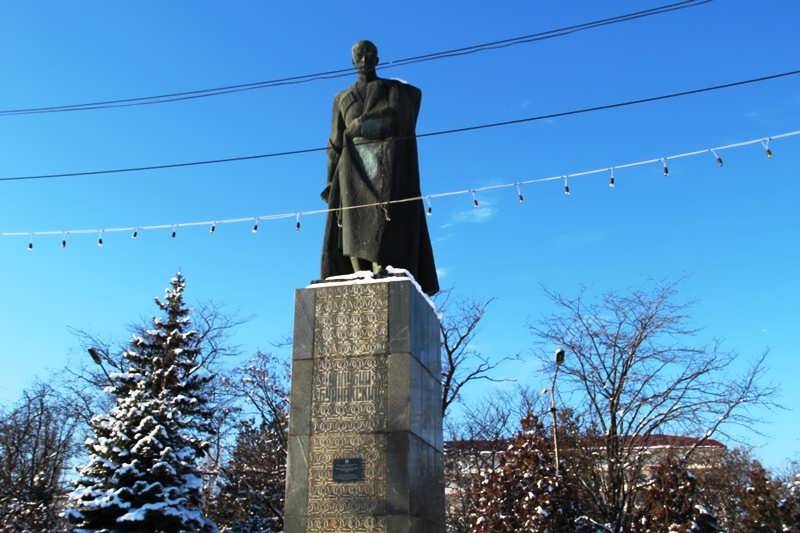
point(559, 362)
point(95, 355)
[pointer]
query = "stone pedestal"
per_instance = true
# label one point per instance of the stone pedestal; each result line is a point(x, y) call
point(365, 428)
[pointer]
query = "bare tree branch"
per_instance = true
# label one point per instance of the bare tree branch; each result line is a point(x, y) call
point(635, 372)
point(462, 365)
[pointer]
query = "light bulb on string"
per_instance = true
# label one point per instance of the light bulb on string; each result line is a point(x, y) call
point(426, 204)
point(297, 222)
point(767, 149)
point(213, 229)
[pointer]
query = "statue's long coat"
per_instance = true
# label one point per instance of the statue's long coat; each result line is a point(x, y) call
point(378, 166)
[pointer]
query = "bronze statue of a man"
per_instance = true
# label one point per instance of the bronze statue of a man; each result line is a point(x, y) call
point(372, 159)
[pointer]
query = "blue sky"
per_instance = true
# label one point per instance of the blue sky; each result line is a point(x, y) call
point(730, 232)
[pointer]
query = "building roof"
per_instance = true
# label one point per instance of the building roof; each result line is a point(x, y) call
point(679, 441)
point(650, 441)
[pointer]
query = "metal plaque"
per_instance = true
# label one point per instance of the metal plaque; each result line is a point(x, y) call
point(348, 469)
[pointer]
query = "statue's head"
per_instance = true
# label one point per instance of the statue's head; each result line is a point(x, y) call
point(365, 56)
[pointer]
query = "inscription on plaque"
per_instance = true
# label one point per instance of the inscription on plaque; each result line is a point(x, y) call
point(348, 469)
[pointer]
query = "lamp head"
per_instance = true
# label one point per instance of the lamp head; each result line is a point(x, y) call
point(95, 355)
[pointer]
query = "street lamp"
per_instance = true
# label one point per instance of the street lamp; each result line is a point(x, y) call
point(94, 353)
point(559, 362)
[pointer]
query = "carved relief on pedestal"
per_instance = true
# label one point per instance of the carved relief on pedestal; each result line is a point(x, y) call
point(351, 320)
point(347, 503)
point(349, 394)
point(349, 524)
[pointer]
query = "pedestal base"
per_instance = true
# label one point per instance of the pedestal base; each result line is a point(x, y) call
point(365, 427)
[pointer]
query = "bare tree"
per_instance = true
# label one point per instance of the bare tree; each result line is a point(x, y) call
point(37, 442)
point(251, 474)
point(461, 364)
point(262, 382)
point(634, 373)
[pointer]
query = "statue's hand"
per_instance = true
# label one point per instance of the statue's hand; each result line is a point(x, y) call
point(354, 128)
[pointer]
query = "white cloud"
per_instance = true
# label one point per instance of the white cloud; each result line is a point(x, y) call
point(442, 272)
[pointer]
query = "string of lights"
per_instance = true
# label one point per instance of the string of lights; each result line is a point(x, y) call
point(339, 73)
point(436, 133)
point(255, 222)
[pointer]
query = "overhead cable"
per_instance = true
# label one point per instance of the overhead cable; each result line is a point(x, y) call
point(436, 133)
point(343, 72)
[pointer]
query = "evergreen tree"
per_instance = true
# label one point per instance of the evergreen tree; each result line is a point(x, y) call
point(142, 469)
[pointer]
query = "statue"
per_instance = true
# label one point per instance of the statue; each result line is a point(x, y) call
point(372, 159)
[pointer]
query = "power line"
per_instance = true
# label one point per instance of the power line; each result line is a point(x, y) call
point(517, 186)
point(421, 135)
point(612, 106)
point(339, 73)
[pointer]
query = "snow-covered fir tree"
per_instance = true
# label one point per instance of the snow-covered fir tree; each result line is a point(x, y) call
point(142, 469)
